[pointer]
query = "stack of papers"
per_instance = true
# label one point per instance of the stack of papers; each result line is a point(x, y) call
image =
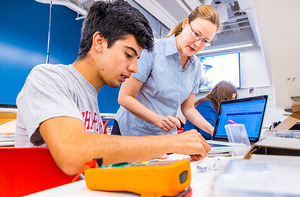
point(7, 131)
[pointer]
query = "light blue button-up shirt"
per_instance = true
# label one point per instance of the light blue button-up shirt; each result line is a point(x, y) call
point(166, 86)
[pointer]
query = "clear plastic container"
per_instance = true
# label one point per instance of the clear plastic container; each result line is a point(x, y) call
point(247, 178)
point(288, 134)
point(238, 137)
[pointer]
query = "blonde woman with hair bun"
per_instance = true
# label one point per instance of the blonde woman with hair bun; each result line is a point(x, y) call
point(166, 79)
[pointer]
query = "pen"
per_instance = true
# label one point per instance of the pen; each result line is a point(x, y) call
point(231, 122)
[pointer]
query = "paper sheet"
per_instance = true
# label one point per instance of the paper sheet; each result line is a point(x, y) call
point(8, 128)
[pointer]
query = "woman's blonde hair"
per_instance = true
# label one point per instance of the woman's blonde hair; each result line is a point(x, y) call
point(206, 12)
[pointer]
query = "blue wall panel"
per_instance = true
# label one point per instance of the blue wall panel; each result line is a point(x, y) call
point(23, 45)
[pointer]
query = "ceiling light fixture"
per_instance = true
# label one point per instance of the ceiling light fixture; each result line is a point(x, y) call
point(226, 48)
point(206, 2)
point(68, 4)
point(222, 10)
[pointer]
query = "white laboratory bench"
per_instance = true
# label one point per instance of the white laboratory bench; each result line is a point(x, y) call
point(201, 182)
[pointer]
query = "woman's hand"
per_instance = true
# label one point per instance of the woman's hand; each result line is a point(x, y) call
point(167, 123)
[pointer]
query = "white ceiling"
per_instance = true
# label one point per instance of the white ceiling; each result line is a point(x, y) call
point(236, 24)
point(236, 27)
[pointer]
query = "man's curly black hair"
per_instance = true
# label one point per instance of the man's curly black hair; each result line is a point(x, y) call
point(115, 20)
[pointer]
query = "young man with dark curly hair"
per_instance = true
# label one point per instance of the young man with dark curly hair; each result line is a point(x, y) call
point(57, 107)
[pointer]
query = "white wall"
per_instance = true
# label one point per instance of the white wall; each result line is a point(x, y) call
point(254, 74)
point(282, 58)
point(253, 69)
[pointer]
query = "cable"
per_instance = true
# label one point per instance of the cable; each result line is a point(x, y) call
point(91, 164)
point(48, 44)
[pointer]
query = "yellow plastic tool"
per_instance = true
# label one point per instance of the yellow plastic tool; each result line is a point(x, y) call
point(160, 178)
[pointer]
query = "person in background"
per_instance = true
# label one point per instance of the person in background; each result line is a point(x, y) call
point(209, 105)
point(58, 108)
point(167, 78)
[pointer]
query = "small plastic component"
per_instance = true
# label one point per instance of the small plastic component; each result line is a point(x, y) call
point(237, 135)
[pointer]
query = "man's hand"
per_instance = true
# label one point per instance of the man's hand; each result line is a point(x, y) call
point(193, 144)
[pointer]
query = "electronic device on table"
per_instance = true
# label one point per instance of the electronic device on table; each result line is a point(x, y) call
point(159, 178)
point(248, 111)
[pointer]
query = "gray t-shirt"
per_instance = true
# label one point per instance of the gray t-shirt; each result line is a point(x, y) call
point(54, 91)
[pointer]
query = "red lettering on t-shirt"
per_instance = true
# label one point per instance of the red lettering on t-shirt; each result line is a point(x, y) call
point(91, 122)
point(87, 120)
point(95, 121)
point(99, 126)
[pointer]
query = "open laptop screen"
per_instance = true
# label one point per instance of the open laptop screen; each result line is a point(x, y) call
point(248, 111)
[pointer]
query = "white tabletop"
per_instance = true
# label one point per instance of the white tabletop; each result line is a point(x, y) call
point(7, 143)
point(203, 174)
point(78, 189)
point(107, 115)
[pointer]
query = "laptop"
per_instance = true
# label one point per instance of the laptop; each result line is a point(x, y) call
point(248, 111)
